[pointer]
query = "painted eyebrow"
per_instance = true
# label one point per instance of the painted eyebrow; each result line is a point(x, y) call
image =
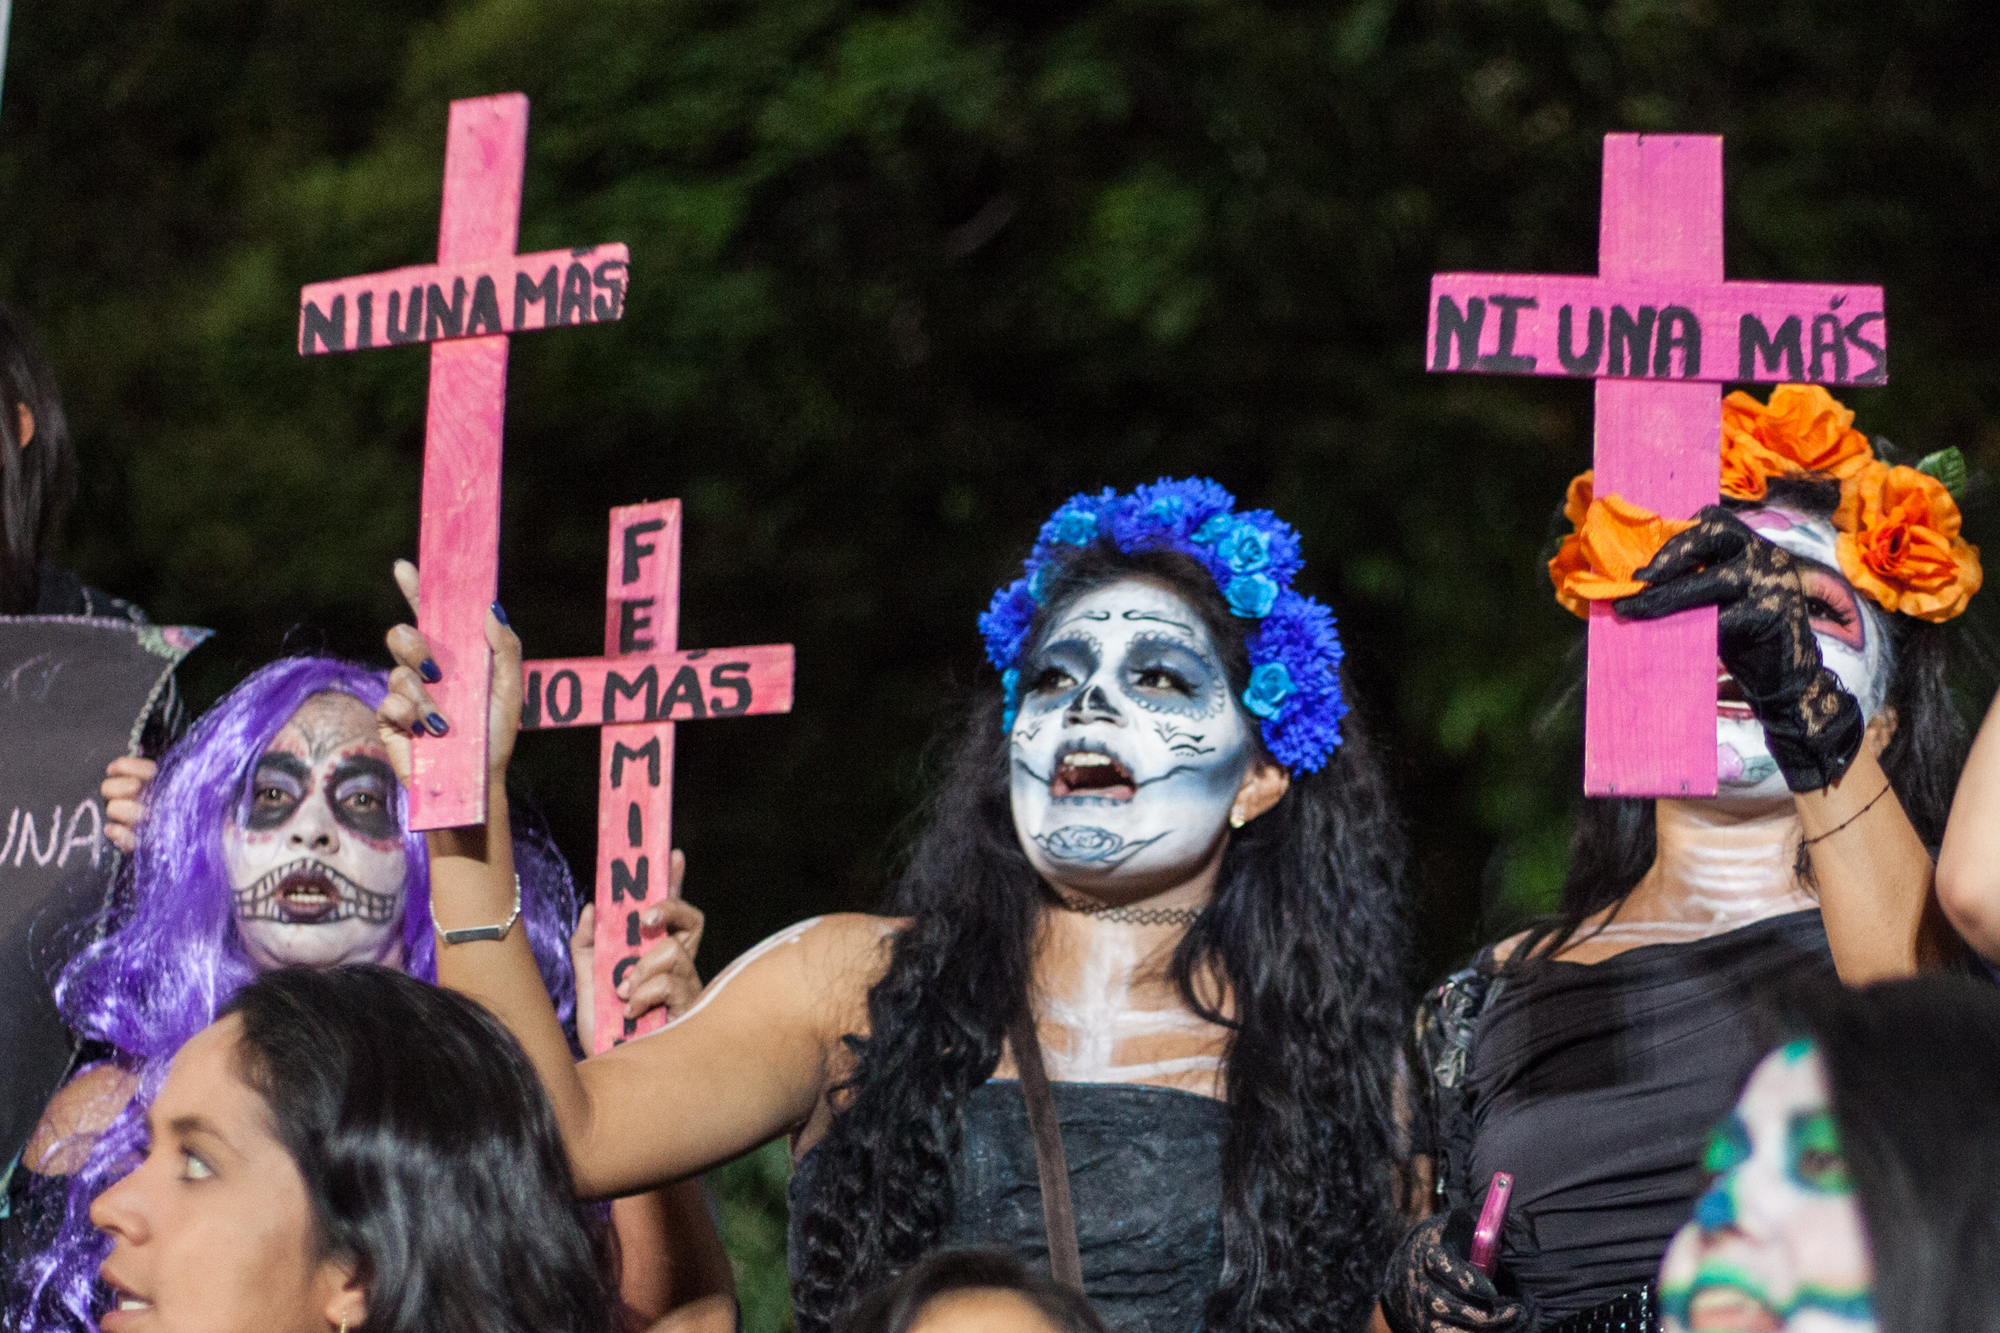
point(1159, 619)
point(288, 764)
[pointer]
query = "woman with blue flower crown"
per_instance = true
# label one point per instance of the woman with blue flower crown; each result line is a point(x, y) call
point(1147, 951)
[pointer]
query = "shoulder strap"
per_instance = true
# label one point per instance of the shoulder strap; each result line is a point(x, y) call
point(1058, 1217)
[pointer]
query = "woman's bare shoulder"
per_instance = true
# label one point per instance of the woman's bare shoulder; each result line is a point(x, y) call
point(82, 1109)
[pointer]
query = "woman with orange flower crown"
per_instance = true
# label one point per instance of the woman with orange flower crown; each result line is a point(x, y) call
point(1590, 1056)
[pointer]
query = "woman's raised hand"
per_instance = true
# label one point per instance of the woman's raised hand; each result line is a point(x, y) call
point(408, 709)
point(124, 789)
point(665, 978)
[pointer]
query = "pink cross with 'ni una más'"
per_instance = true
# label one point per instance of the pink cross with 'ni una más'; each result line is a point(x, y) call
point(465, 305)
point(636, 692)
point(1660, 331)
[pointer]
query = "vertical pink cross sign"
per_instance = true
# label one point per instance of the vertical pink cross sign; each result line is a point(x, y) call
point(1660, 331)
point(636, 692)
point(465, 306)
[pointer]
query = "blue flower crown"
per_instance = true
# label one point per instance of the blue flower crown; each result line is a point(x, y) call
point(1253, 557)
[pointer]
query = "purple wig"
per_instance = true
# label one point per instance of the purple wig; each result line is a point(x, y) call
point(168, 957)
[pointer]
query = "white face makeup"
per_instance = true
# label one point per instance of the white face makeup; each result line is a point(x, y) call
point(1129, 745)
point(1777, 1241)
point(1852, 642)
point(317, 864)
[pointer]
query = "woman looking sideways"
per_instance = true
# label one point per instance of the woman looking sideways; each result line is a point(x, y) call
point(1159, 863)
point(1590, 1056)
point(343, 1149)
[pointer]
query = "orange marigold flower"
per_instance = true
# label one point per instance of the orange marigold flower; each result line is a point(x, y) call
point(1802, 429)
point(1900, 543)
point(1614, 540)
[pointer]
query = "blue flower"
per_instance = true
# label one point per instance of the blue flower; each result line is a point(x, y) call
point(1250, 595)
point(1246, 548)
point(1010, 681)
point(1214, 529)
point(1166, 509)
point(1075, 527)
point(1270, 686)
point(1038, 582)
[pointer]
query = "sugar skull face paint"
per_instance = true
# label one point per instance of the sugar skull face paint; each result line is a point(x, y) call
point(1777, 1241)
point(1853, 642)
point(316, 859)
point(1129, 745)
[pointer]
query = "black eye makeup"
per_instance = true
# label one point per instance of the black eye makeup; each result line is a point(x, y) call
point(1163, 674)
point(364, 797)
point(1060, 669)
point(277, 785)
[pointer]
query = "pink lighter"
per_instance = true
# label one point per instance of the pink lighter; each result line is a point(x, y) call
point(1486, 1235)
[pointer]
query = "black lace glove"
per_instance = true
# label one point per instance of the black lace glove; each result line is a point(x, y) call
point(1431, 1287)
point(1811, 725)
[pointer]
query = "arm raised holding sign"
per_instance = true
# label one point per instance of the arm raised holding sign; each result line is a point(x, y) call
point(1159, 869)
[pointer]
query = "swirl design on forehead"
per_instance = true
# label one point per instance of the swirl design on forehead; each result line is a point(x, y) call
point(1295, 650)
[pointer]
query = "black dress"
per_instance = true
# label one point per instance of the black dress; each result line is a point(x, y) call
point(1596, 1086)
point(1145, 1167)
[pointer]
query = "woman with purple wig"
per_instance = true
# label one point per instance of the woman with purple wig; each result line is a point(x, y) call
point(273, 835)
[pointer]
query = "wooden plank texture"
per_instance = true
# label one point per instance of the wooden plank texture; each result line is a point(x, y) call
point(1649, 694)
point(434, 303)
point(486, 145)
point(657, 687)
point(635, 801)
point(1659, 328)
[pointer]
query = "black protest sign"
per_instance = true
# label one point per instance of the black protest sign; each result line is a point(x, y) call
point(74, 695)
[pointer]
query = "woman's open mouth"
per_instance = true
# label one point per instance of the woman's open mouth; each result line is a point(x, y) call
point(307, 897)
point(1093, 774)
point(124, 1304)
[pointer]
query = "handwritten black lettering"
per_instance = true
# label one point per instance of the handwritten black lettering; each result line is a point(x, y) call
point(1633, 336)
point(575, 295)
point(441, 320)
point(633, 622)
point(686, 689)
point(1451, 324)
point(398, 331)
point(1593, 347)
point(1878, 373)
point(485, 308)
point(541, 293)
point(1504, 360)
point(1678, 329)
point(650, 752)
point(1756, 342)
point(557, 712)
point(329, 330)
point(616, 687)
point(735, 677)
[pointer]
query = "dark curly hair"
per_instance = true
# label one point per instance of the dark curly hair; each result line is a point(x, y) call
point(1306, 933)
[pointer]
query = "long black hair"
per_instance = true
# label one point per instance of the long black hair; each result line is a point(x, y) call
point(1615, 839)
point(1913, 1074)
point(1306, 936)
point(38, 482)
point(428, 1149)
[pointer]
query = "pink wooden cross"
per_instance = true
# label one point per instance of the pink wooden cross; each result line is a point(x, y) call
point(1660, 331)
point(636, 692)
point(465, 305)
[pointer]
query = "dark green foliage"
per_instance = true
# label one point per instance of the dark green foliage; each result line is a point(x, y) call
point(907, 274)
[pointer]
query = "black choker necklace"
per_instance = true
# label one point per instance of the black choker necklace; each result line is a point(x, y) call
point(1132, 916)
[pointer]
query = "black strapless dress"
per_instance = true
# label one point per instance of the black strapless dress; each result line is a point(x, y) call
point(1598, 1085)
point(1145, 1168)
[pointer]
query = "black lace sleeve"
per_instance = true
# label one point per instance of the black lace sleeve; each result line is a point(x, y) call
point(1447, 1025)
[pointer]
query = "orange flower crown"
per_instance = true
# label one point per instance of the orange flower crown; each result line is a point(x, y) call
point(1898, 526)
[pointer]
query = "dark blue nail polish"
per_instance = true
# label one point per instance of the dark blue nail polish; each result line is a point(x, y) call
point(428, 669)
point(499, 613)
point(437, 725)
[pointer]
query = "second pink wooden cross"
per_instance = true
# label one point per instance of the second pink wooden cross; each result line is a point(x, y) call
point(636, 692)
point(1659, 330)
point(457, 305)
